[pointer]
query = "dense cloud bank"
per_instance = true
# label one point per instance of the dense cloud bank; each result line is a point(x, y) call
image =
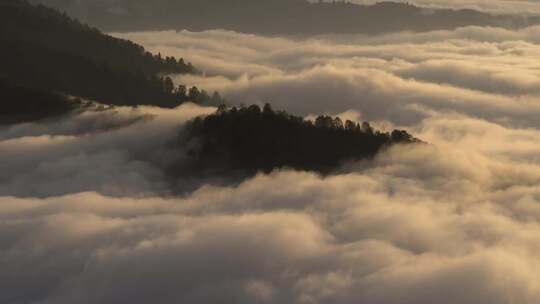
point(454, 222)
point(86, 215)
point(115, 151)
point(487, 73)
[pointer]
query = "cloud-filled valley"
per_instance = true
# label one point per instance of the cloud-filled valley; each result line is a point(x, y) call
point(484, 72)
point(457, 217)
point(93, 217)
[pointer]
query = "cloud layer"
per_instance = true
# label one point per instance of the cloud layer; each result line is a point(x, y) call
point(448, 223)
point(488, 73)
point(119, 151)
point(87, 214)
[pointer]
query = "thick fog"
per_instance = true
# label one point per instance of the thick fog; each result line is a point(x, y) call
point(88, 215)
point(487, 73)
point(456, 221)
point(116, 151)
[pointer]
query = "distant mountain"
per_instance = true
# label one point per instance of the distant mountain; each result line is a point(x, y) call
point(291, 17)
point(45, 49)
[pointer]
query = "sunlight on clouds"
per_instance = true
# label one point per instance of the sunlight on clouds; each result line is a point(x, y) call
point(457, 216)
point(94, 218)
point(488, 73)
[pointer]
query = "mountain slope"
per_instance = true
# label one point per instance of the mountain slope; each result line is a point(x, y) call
point(276, 16)
point(45, 49)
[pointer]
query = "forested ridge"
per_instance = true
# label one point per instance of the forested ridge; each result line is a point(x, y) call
point(47, 58)
point(251, 139)
point(278, 16)
point(43, 48)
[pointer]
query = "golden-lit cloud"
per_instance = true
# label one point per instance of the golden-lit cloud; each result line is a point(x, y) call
point(458, 217)
point(93, 218)
point(488, 73)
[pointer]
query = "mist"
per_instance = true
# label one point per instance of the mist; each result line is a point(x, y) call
point(458, 217)
point(90, 214)
point(487, 73)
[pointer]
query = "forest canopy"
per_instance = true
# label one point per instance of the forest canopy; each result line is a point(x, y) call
point(43, 48)
point(251, 139)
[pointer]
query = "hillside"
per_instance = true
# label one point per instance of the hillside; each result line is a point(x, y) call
point(45, 49)
point(21, 104)
point(290, 17)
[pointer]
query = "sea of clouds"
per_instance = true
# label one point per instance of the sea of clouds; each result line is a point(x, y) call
point(87, 213)
point(488, 73)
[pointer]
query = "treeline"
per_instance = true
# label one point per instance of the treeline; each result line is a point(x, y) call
point(45, 49)
point(251, 139)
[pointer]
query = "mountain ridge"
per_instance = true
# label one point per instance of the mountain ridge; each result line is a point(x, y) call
point(47, 50)
point(291, 17)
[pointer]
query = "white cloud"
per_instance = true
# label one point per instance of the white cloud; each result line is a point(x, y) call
point(119, 151)
point(489, 73)
point(87, 216)
point(417, 224)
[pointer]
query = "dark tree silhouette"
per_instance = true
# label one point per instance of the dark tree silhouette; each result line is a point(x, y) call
point(19, 104)
point(249, 140)
point(45, 49)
